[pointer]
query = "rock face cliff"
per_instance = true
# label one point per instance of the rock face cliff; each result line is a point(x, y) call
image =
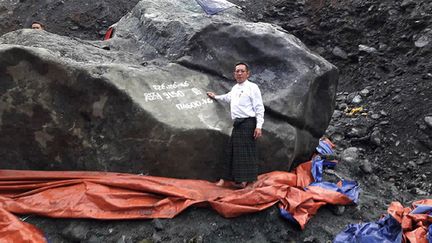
point(137, 102)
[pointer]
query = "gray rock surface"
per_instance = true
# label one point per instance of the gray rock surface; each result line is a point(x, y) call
point(428, 120)
point(337, 51)
point(350, 155)
point(141, 106)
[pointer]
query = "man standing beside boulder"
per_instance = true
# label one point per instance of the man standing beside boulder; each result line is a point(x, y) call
point(247, 111)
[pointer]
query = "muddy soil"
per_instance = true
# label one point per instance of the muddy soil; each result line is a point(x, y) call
point(382, 124)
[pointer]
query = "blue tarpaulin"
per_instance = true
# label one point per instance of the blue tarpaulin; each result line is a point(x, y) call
point(385, 230)
point(286, 215)
point(324, 148)
point(319, 163)
point(389, 229)
point(422, 209)
point(214, 6)
point(317, 168)
point(349, 188)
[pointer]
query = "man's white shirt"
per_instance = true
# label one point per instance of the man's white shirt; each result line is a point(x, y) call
point(245, 101)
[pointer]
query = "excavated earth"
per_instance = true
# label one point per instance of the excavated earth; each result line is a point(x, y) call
point(382, 125)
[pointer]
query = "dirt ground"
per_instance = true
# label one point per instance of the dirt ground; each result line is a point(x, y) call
point(381, 124)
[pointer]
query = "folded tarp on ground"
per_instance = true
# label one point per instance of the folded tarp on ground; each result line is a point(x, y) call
point(350, 189)
point(101, 195)
point(412, 225)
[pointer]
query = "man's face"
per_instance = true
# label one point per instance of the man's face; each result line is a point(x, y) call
point(241, 73)
point(36, 26)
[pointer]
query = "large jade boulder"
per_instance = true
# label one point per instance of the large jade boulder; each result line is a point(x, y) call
point(137, 102)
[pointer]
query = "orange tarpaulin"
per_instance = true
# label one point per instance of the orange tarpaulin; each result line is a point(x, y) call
point(414, 226)
point(103, 195)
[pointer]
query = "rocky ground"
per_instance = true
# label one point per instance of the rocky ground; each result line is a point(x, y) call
point(382, 124)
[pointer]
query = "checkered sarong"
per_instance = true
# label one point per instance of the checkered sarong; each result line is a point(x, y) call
point(242, 153)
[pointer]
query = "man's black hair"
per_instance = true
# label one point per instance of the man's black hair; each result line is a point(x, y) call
point(38, 22)
point(243, 63)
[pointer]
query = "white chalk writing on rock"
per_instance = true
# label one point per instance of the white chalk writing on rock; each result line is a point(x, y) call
point(170, 94)
point(152, 96)
point(194, 104)
point(196, 91)
point(173, 85)
point(173, 94)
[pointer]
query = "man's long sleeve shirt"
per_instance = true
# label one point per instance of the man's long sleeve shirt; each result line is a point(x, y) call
point(245, 101)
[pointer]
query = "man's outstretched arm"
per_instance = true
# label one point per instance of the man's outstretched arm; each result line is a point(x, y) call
point(225, 97)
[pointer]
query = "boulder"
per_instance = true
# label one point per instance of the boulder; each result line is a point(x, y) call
point(137, 102)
